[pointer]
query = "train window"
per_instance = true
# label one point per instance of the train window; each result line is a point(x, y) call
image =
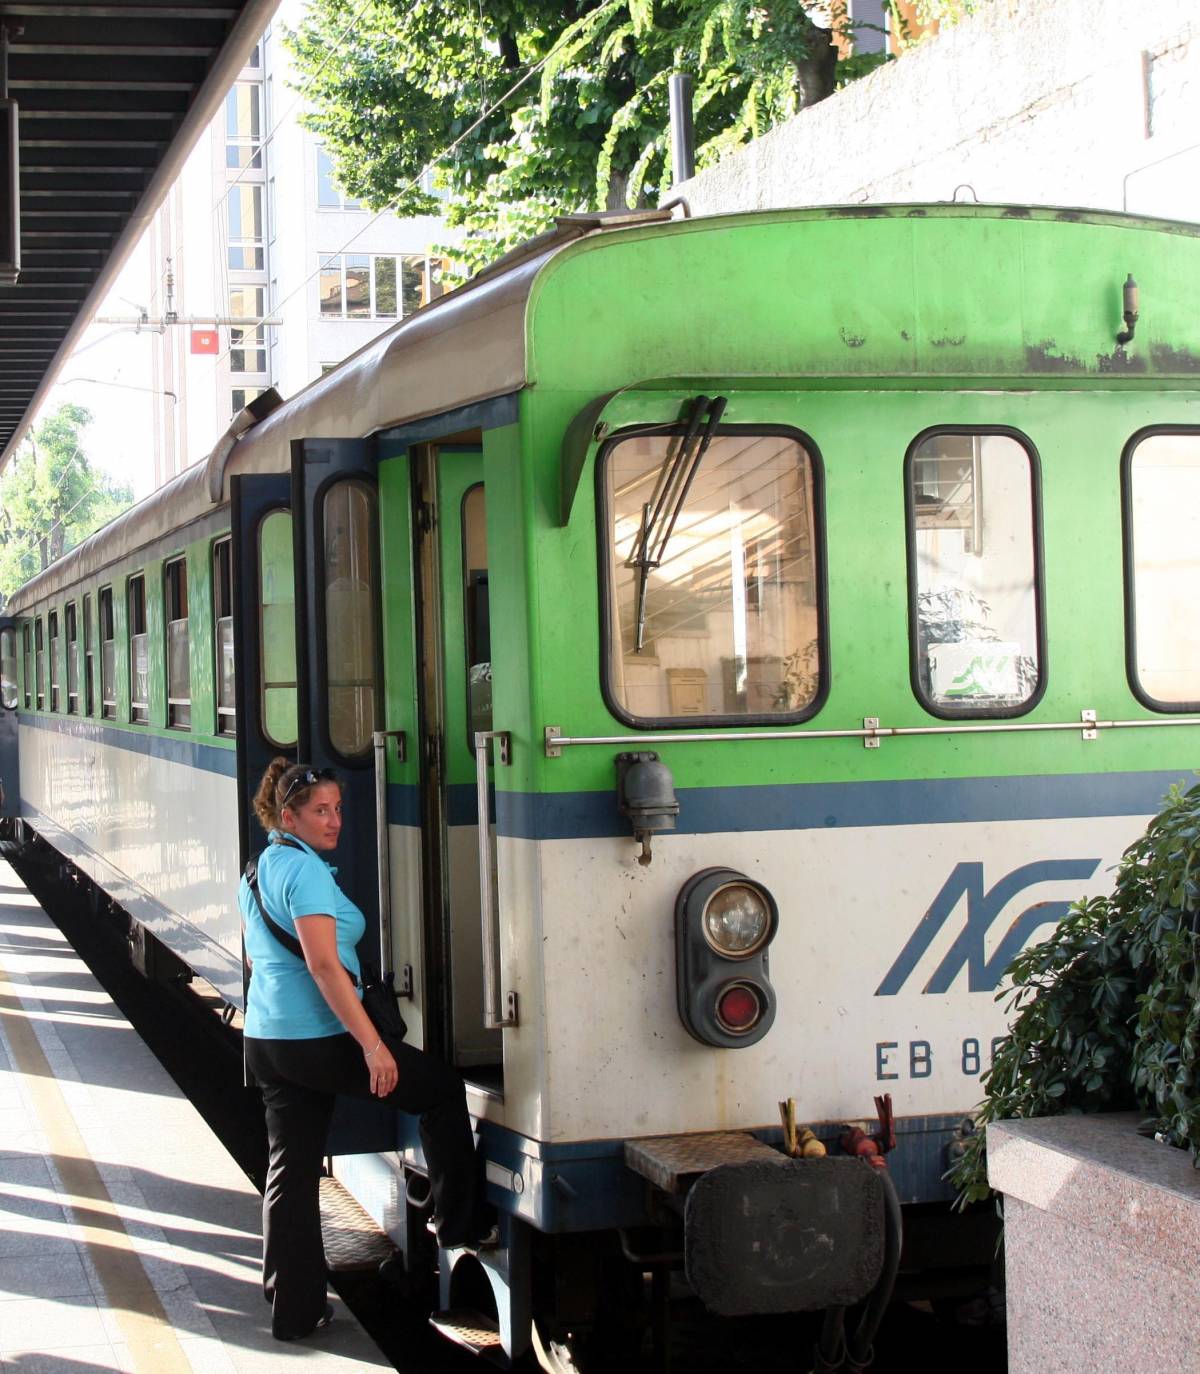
point(72, 635)
point(89, 669)
point(277, 629)
point(714, 578)
point(8, 668)
point(139, 651)
point(974, 572)
point(108, 660)
point(348, 523)
point(27, 664)
point(39, 664)
point(52, 636)
point(1162, 568)
point(222, 584)
point(179, 663)
point(475, 605)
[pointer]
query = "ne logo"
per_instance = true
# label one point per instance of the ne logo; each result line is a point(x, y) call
point(984, 908)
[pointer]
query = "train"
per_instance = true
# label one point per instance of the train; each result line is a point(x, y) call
point(737, 638)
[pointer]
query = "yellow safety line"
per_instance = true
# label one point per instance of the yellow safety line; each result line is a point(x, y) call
point(145, 1326)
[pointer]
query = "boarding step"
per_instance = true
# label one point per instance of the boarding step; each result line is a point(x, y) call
point(474, 1332)
point(674, 1162)
point(353, 1240)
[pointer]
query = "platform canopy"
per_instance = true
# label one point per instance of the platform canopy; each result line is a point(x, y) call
point(111, 97)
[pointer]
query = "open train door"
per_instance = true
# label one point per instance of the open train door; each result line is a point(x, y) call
point(335, 531)
point(10, 779)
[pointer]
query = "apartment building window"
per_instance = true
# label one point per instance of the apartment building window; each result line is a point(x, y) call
point(247, 347)
point(330, 195)
point(378, 287)
point(243, 125)
point(139, 652)
point(241, 396)
point(245, 206)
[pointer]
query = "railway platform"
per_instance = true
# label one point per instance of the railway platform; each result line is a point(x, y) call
point(129, 1238)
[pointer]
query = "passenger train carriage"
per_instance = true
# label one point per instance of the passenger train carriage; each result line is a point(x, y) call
point(803, 595)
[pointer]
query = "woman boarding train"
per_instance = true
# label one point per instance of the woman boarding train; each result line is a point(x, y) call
point(308, 1038)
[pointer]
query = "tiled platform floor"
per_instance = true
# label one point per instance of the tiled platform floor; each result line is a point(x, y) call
point(129, 1239)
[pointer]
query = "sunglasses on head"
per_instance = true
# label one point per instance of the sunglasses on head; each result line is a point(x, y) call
point(309, 778)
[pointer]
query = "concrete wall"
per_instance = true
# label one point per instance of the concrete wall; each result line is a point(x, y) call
point(1057, 102)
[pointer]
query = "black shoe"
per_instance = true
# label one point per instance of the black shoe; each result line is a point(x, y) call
point(300, 1335)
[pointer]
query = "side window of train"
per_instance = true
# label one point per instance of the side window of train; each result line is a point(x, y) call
point(714, 584)
point(27, 665)
point(348, 525)
point(89, 666)
point(1161, 498)
point(39, 670)
point(975, 579)
point(222, 590)
point(52, 636)
point(9, 695)
point(139, 650)
point(475, 607)
point(179, 660)
point(108, 656)
point(277, 628)
point(71, 616)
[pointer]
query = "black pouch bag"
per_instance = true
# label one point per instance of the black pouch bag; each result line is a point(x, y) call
point(380, 999)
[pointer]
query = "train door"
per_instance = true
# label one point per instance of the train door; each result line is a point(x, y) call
point(456, 660)
point(10, 781)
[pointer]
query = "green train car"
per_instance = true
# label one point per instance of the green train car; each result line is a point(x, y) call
point(738, 636)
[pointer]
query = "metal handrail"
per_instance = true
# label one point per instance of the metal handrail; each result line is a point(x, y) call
point(488, 912)
point(379, 741)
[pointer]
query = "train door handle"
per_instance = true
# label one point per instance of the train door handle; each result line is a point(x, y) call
point(379, 740)
point(488, 912)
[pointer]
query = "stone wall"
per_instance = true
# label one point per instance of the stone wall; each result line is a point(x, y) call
point(1054, 102)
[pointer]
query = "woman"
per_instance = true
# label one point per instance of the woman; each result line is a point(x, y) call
point(308, 1038)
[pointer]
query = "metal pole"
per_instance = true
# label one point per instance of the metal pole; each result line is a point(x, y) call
point(683, 132)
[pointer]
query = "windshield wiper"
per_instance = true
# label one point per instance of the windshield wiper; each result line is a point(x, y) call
point(675, 481)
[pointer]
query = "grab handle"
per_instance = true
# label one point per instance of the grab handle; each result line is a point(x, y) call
point(489, 917)
point(379, 740)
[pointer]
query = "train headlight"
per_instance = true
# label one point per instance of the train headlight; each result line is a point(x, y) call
point(737, 920)
point(724, 923)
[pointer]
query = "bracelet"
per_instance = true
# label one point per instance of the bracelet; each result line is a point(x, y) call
point(368, 1053)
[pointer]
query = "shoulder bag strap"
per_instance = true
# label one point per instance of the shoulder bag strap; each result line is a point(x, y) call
point(288, 941)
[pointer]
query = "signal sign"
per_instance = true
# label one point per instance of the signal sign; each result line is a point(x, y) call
point(205, 341)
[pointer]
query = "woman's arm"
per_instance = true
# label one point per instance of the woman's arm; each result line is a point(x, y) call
point(318, 940)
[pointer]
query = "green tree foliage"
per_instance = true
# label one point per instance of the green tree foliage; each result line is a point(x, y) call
point(51, 498)
point(395, 86)
point(1108, 1008)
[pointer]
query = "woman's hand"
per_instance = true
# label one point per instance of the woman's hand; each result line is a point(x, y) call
point(383, 1070)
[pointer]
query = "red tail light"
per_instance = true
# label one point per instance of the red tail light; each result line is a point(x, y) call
point(739, 1008)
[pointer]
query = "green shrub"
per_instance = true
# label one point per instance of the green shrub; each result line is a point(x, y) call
point(1108, 1008)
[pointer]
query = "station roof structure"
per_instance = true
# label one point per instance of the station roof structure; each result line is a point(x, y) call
point(112, 95)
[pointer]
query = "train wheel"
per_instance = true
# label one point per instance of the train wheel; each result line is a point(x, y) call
point(608, 1337)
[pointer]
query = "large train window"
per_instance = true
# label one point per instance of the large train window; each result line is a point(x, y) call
point(27, 664)
point(89, 667)
point(8, 667)
point(222, 590)
point(139, 651)
point(179, 660)
point(974, 557)
point(108, 656)
point(1161, 493)
point(476, 613)
point(348, 525)
point(277, 629)
point(52, 636)
point(39, 670)
point(714, 577)
point(72, 628)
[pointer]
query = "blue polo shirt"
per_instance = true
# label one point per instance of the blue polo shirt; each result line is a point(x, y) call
point(284, 1002)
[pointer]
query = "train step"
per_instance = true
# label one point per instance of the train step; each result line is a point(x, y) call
point(474, 1332)
point(353, 1239)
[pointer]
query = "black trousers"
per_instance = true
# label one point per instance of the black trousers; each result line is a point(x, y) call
point(299, 1080)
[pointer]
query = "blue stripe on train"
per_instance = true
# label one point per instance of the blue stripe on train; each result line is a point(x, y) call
point(814, 806)
point(192, 753)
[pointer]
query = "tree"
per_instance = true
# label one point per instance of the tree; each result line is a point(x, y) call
point(396, 84)
point(51, 498)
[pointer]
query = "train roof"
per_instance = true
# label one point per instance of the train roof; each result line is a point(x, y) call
point(474, 345)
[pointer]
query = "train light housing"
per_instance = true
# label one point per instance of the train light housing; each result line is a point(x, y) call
point(724, 923)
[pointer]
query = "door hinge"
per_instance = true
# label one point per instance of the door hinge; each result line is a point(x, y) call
point(435, 753)
point(426, 516)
